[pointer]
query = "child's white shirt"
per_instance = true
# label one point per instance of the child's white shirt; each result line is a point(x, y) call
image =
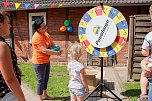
point(74, 68)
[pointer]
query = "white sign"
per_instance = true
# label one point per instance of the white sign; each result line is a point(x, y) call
point(101, 31)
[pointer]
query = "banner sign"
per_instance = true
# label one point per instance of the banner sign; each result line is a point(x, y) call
point(27, 5)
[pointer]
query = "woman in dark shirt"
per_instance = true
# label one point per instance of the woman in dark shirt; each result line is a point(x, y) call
point(10, 89)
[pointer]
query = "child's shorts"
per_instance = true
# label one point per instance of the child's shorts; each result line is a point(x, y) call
point(77, 92)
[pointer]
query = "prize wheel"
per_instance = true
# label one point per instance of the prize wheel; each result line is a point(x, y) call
point(103, 31)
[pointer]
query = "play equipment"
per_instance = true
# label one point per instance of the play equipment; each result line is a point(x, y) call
point(103, 39)
point(103, 31)
point(69, 28)
point(55, 48)
point(63, 28)
point(66, 27)
point(66, 23)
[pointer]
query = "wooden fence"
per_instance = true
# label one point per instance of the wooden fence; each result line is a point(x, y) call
point(139, 26)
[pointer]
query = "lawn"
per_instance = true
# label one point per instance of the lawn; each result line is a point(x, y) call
point(132, 90)
point(58, 81)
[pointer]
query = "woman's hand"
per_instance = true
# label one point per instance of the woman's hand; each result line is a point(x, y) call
point(59, 52)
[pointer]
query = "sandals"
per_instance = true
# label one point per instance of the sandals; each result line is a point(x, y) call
point(142, 98)
point(48, 98)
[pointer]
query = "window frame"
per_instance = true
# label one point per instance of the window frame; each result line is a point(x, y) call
point(31, 23)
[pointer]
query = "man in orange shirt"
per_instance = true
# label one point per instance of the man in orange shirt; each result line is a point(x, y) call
point(41, 42)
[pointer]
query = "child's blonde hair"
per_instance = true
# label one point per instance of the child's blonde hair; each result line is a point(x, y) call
point(74, 50)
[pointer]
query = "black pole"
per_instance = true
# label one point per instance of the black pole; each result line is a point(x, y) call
point(101, 81)
point(101, 4)
point(101, 65)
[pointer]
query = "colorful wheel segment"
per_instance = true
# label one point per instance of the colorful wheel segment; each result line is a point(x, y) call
point(103, 31)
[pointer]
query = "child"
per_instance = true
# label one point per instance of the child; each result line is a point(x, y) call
point(77, 85)
point(147, 72)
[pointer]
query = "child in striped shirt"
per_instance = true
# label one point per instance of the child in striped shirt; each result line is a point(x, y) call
point(78, 87)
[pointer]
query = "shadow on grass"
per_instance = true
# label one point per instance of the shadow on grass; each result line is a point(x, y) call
point(131, 93)
point(67, 98)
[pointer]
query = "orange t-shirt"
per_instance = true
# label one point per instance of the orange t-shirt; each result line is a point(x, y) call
point(37, 41)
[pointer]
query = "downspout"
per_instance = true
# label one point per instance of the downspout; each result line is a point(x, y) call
point(67, 35)
point(111, 60)
point(90, 59)
point(88, 54)
point(11, 32)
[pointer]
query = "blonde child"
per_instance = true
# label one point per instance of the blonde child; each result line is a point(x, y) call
point(77, 85)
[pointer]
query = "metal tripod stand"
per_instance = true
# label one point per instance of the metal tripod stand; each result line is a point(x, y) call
point(101, 85)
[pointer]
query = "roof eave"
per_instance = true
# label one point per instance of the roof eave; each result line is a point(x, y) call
point(82, 5)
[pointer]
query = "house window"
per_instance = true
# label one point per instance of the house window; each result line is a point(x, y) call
point(32, 18)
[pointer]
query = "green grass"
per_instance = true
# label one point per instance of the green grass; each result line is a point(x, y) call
point(132, 90)
point(58, 81)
